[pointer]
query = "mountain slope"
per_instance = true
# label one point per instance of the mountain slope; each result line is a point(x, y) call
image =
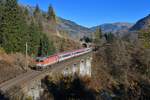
point(74, 30)
point(62, 40)
point(142, 24)
point(114, 27)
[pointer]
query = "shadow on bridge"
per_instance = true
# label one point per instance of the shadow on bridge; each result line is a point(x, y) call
point(66, 89)
point(2, 96)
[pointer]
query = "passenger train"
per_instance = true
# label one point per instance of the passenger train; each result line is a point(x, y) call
point(44, 62)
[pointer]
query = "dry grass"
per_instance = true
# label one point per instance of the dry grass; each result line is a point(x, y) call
point(12, 65)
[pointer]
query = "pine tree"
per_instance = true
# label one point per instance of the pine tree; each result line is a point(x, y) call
point(36, 11)
point(46, 46)
point(12, 26)
point(51, 14)
point(40, 51)
point(39, 44)
point(15, 32)
point(1, 21)
point(26, 12)
point(33, 38)
point(110, 37)
point(40, 26)
point(98, 35)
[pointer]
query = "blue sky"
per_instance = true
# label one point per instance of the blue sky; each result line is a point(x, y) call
point(94, 12)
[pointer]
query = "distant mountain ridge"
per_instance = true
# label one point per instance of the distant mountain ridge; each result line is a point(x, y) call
point(114, 27)
point(77, 31)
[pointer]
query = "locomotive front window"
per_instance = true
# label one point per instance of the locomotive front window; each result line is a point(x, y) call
point(38, 60)
point(41, 61)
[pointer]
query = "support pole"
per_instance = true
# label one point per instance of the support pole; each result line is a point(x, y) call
point(26, 63)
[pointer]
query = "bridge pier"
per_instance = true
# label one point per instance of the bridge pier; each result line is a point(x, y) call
point(75, 69)
point(85, 67)
point(82, 67)
point(88, 66)
point(34, 90)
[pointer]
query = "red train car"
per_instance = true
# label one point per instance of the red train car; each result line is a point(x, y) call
point(43, 62)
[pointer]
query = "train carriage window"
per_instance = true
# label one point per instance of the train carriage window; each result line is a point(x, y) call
point(66, 55)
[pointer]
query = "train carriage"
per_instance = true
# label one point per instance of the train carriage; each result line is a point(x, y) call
point(44, 62)
point(65, 56)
